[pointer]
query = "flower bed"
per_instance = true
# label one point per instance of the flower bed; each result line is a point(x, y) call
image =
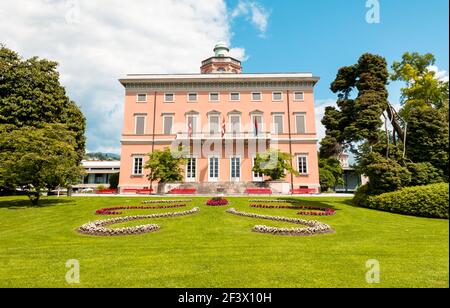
point(313, 227)
point(307, 210)
point(115, 210)
point(99, 227)
point(166, 201)
point(217, 202)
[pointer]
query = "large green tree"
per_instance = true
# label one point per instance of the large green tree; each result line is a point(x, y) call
point(32, 95)
point(37, 159)
point(425, 101)
point(166, 165)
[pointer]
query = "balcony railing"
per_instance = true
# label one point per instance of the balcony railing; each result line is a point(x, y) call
point(226, 136)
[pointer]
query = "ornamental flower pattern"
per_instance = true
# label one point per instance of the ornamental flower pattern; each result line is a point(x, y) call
point(115, 210)
point(308, 210)
point(313, 227)
point(99, 227)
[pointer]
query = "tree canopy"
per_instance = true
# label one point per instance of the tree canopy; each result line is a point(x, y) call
point(36, 159)
point(274, 164)
point(165, 165)
point(31, 96)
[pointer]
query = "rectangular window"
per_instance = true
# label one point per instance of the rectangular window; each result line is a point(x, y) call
point(302, 162)
point(140, 125)
point(169, 97)
point(235, 97)
point(214, 97)
point(213, 169)
point(192, 97)
point(278, 124)
point(141, 98)
point(300, 123)
point(299, 96)
point(214, 124)
point(277, 96)
point(168, 125)
point(138, 163)
point(191, 169)
point(235, 121)
point(257, 177)
point(235, 168)
point(256, 96)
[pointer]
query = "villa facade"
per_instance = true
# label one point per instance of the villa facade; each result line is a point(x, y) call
point(225, 117)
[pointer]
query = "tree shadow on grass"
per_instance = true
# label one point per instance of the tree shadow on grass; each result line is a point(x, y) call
point(19, 204)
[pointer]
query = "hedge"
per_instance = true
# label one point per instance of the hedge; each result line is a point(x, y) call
point(425, 201)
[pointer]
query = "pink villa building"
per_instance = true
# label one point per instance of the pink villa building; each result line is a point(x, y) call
point(225, 117)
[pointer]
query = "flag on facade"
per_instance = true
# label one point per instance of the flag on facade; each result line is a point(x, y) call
point(256, 126)
point(223, 127)
point(190, 128)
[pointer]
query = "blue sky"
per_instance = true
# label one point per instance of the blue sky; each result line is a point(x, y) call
point(322, 35)
point(98, 42)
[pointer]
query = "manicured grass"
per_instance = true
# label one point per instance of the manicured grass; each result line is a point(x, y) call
point(216, 249)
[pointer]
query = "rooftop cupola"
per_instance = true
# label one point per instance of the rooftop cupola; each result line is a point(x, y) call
point(221, 63)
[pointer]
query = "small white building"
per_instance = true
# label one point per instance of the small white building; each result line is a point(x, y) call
point(97, 173)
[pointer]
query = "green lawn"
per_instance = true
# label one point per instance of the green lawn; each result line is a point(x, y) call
point(216, 249)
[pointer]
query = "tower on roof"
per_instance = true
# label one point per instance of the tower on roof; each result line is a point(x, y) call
point(221, 63)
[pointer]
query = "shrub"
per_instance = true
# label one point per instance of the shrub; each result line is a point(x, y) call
point(114, 180)
point(425, 201)
point(424, 174)
point(361, 196)
point(101, 187)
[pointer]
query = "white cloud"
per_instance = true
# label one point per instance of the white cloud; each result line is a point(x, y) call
point(320, 106)
point(97, 42)
point(255, 13)
point(440, 74)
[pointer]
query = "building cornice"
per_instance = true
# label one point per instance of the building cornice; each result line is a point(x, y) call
point(297, 81)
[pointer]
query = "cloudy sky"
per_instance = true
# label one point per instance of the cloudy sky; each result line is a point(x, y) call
point(97, 42)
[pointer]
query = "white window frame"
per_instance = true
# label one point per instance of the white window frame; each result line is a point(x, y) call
point(235, 100)
point(305, 156)
point(260, 97)
point(212, 179)
point(304, 120)
point(273, 123)
point(135, 123)
point(218, 122)
point(231, 168)
point(188, 97)
point(214, 101)
point(262, 129)
point(231, 123)
point(255, 178)
point(164, 123)
point(165, 97)
point(134, 165)
point(299, 100)
point(190, 179)
point(139, 101)
point(277, 100)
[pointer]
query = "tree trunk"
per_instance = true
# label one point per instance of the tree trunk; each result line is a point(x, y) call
point(393, 118)
point(34, 197)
